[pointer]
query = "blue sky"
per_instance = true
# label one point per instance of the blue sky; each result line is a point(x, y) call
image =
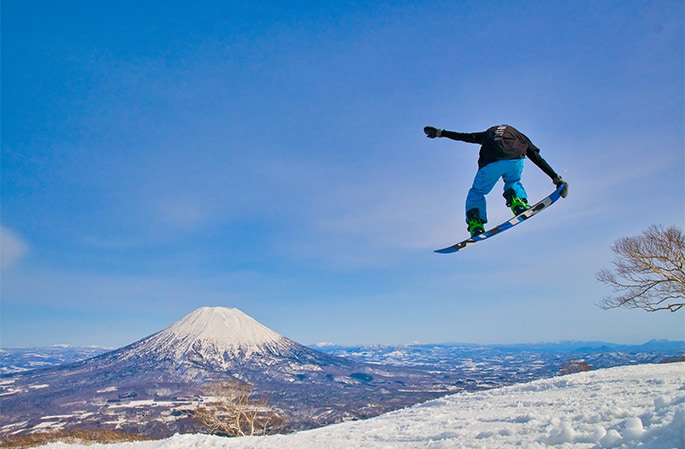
point(162, 156)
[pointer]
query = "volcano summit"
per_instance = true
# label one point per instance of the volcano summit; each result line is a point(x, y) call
point(225, 330)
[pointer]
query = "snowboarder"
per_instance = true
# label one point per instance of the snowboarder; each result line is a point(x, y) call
point(501, 155)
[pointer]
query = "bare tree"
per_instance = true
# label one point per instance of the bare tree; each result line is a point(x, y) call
point(230, 410)
point(649, 271)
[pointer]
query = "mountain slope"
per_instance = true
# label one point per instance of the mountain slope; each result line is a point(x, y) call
point(151, 386)
point(628, 407)
point(218, 340)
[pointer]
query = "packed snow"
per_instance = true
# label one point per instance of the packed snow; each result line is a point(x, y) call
point(627, 407)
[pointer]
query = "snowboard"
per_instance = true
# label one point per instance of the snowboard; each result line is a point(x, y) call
point(535, 209)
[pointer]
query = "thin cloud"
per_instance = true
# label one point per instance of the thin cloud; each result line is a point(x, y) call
point(12, 248)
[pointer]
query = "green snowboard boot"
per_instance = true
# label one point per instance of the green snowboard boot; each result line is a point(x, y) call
point(475, 223)
point(517, 205)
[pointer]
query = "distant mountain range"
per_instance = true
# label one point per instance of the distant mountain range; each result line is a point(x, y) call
point(16, 360)
point(488, 366)
point(444, 356)
point(152, 385)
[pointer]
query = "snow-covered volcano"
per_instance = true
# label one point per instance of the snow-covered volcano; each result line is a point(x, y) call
point(214, 340)
point(216, 334)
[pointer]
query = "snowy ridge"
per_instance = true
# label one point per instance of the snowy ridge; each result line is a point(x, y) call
point(627, 407)
point(212, 331)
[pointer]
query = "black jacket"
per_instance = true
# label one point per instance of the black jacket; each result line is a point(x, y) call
point(491, 151)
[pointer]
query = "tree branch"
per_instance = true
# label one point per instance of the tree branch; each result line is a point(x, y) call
point(649, 270)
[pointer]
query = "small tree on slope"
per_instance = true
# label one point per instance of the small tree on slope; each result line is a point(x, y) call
point(230, 410)
point(649, 271)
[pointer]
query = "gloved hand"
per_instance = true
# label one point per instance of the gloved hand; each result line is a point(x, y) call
point(432, 132)
point(559, 182)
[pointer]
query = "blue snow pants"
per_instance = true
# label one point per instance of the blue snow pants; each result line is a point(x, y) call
point(509, 170)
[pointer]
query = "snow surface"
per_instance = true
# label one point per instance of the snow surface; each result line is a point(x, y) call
point(627, 407)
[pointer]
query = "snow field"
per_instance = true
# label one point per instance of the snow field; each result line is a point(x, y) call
point(628, 407)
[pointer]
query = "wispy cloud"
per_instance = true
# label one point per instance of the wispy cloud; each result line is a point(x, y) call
point(12, 248)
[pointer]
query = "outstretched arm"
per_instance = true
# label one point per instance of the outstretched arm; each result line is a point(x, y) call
point(433, 132)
